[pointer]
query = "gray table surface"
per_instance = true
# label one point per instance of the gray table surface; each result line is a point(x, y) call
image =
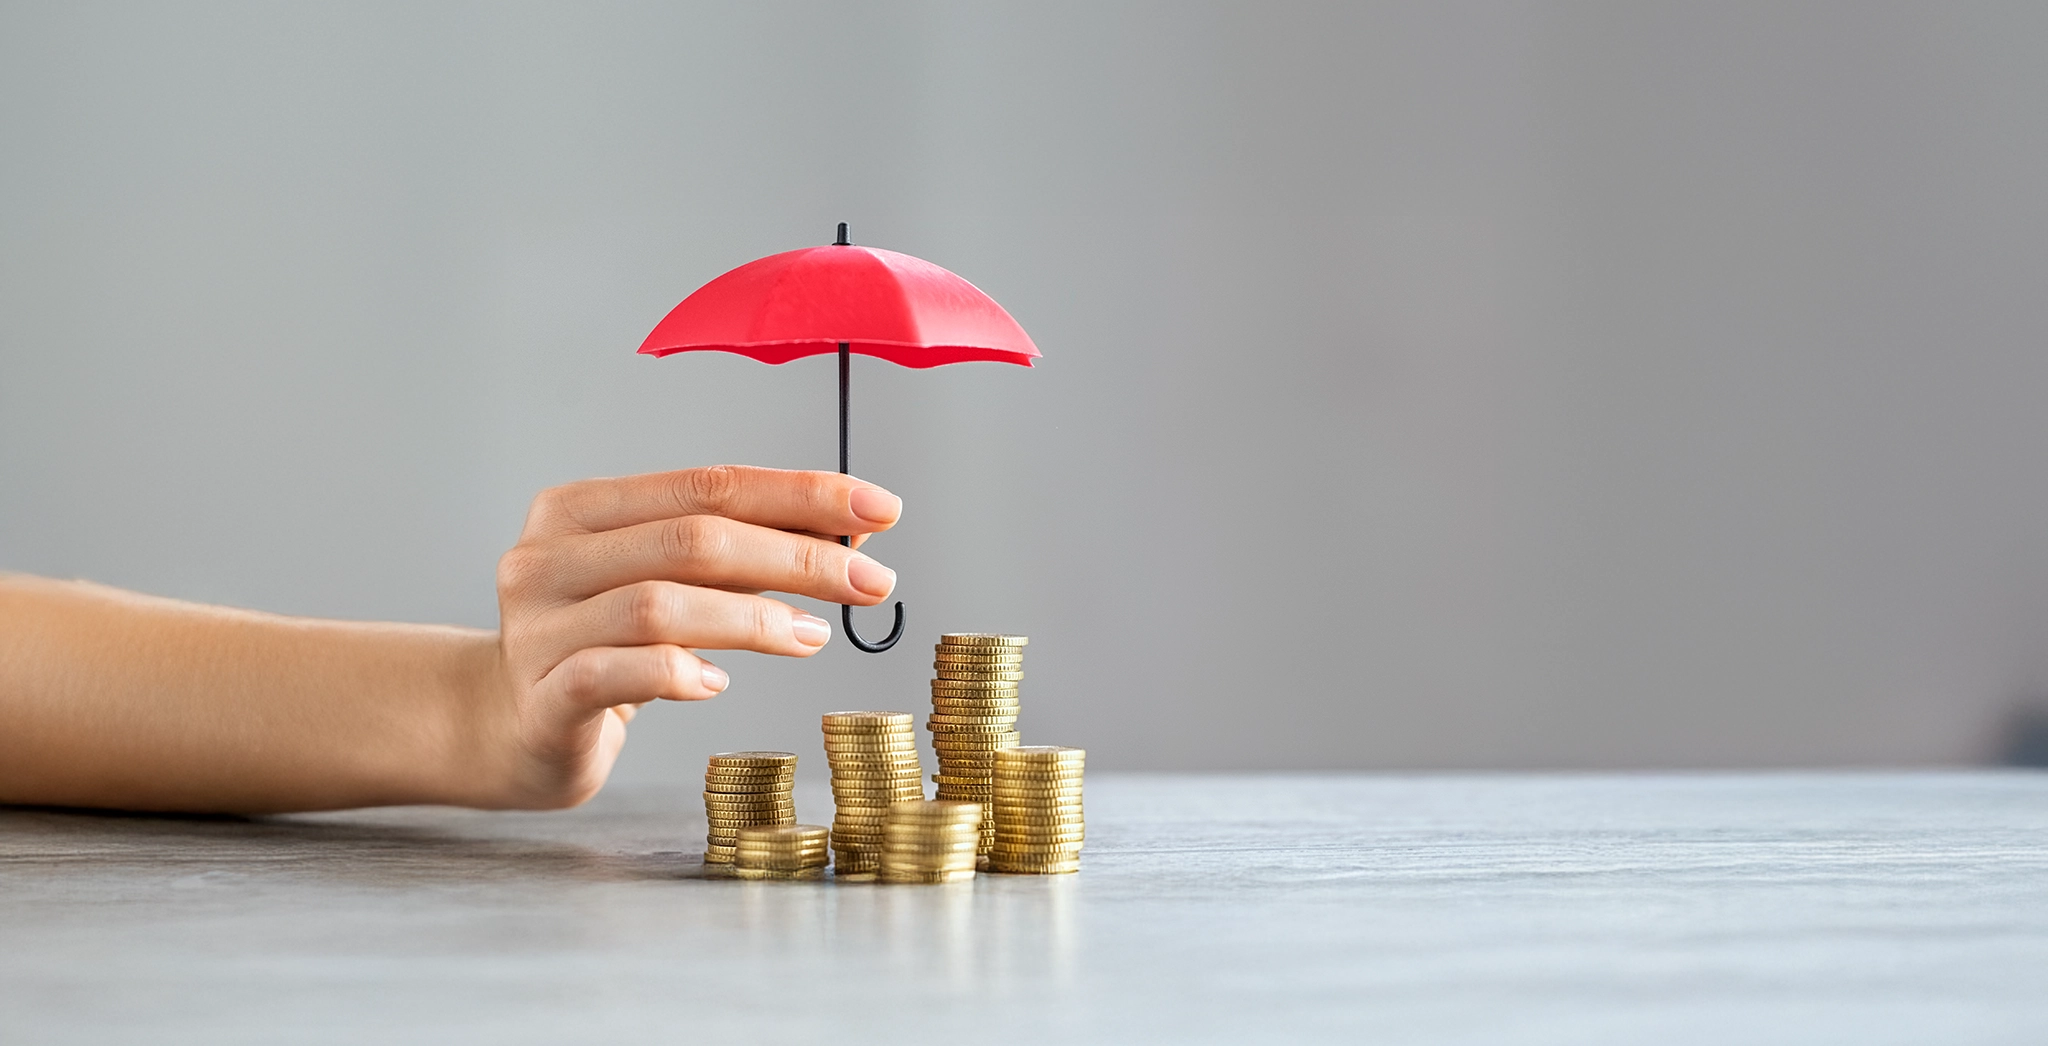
point(1867, 908)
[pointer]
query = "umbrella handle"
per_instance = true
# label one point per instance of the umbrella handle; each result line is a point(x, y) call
point(846, 612)
point(895, 631)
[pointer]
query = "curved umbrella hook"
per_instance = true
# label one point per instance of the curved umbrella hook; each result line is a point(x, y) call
point(846, 612)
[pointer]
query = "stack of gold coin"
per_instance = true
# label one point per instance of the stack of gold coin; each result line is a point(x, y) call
point(930, 842)
point(782, 851)
point(743, 789)
point(874, 765)
point(974, 714)
point(1037, 810)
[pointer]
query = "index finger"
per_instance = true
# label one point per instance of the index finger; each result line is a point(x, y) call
point(819, 502)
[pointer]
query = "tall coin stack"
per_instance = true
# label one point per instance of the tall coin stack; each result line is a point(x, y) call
point(743, 789)
point(1038, 810)
point(782, 851)
point(931, 842)
point(874, 765)
point(974, 714)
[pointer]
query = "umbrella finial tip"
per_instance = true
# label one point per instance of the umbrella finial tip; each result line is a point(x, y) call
point(842, 240)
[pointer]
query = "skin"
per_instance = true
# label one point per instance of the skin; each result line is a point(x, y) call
point(118, 700)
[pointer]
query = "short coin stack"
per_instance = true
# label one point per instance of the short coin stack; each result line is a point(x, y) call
point(874, 765)
point(1037, 810)
point(743, 789)
point(782, 851)
point(931, 842)
point(974, 714)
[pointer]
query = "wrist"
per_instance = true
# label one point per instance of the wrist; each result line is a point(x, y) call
point(476, 767)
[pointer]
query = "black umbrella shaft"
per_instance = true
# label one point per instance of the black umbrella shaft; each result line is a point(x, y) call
point(846, 612)
point(845, 380)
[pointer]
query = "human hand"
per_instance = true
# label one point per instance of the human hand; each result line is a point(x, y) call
point(615, 583)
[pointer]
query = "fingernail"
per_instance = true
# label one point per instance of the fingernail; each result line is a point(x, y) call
point(869, 576)
point(876, 505)
point(810, 629)
point(715, 679)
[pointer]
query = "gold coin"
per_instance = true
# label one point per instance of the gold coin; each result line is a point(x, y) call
point(945, 741)
point(927, 863)
point(1042, 847)
point(977, 687)
point(760, 859)
point(981, 639)
point(756, 853)
point(929, 878)
point(1033, 835)
point(1007, 722)
point(855, 742)
point(754, 759)
point(787, 835)
point(1049, 753)
point(803, 875)
point(1035, 868)
point(719, 774)
point(999, 727)
point(950, 859)
point(944, 652)
point(953, 706)
point(858, 718)
point(932, 809)
point(977, 676)
point(928, 853)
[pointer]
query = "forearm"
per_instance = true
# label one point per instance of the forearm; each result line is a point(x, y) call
point(110, 699)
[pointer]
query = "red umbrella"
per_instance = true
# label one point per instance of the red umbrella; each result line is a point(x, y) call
point(855, 299)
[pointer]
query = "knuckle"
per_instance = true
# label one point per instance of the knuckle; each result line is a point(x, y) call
point(713, 489)
point(518, 570)
point(582, 677)
point(691, 539)
point(648, 606)
point(676, 673)
point(812, 560)
point(548, 506)
point(820, 491)
point(770, 620)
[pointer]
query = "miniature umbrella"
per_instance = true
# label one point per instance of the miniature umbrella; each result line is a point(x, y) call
point(856, 300)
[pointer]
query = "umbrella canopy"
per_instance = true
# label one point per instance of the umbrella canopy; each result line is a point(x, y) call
point(877, 303)
point(846, 299)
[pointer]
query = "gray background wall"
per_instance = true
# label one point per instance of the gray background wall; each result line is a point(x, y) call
point(1425, 385)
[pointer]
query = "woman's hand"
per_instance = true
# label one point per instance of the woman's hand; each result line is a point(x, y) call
point(616, 583)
